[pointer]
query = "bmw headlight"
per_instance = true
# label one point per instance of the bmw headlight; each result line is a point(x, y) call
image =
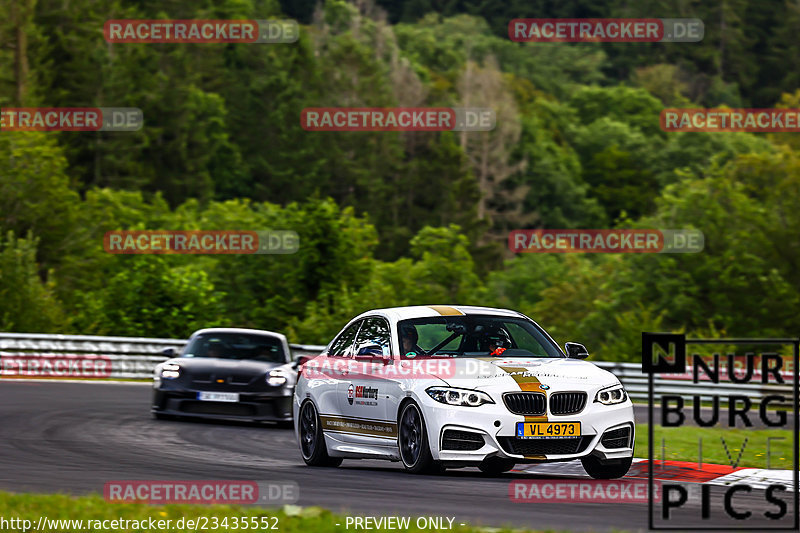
point(464, 397)
point(170, 371)
point(611, 395)
point(277, 377)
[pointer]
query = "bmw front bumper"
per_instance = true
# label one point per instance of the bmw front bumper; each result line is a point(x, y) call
point(468, 435)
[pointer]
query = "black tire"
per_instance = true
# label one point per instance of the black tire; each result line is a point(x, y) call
point(312, 442)
point(494, 466)
point(611, 469)
point(412, 439)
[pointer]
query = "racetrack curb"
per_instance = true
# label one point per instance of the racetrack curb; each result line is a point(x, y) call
point(676, 471)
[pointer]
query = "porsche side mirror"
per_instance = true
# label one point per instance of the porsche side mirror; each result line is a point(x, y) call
point(576, 351)
point(169, 352)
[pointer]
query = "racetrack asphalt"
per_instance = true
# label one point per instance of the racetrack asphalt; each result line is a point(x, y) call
point(75, 437)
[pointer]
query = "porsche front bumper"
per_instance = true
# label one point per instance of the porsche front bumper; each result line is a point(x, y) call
point(273, 406)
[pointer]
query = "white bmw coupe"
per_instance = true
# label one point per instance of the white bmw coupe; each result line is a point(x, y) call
point(452, 386)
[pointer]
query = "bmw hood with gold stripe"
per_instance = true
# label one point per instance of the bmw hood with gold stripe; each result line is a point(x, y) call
point(525, 373)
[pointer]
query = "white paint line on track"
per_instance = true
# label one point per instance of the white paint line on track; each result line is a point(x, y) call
point(758, 478)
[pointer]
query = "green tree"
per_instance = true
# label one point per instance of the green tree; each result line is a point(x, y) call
point(35, 194)
point(519, 285)
point(147, 296)
point(441, 272)
point(27, 304)
point(267, 291)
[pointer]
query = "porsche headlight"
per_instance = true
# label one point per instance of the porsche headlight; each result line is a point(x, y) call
point(277, 377)
point(611, 395)
point(170, 371)
point(464, 397)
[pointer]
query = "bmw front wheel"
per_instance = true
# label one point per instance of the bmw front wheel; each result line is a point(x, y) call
point(312, 441)
point(413, 440)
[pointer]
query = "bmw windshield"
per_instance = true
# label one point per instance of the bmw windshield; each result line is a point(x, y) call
point(474, 336)
point(236, 346)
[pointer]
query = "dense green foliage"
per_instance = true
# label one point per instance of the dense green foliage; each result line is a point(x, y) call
point(391, 219)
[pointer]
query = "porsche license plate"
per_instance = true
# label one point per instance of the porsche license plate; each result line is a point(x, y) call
point(218, 396)
point(548, 430)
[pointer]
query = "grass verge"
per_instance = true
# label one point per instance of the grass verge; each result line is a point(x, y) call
point(681, 444)
point(95, 514)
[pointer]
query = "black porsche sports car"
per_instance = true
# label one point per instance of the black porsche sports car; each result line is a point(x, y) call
point(227, 373)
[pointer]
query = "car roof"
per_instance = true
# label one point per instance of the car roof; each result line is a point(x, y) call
point(240, 330)
point(422, 311)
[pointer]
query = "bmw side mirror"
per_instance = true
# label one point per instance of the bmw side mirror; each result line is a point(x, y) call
point(576, 351)
point(169, 352)
point(370, 350)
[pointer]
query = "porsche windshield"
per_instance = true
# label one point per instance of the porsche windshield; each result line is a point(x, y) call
point(474, 336)
point(236, 346)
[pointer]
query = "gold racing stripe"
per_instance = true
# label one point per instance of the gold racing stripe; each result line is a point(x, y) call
point(359, 426)
point(527, 383)
point(445, 310)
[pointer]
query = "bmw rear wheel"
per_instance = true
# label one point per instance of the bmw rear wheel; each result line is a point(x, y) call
point(413, 440)
point(312, 441)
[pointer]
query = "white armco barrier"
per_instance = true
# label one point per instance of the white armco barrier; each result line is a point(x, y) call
point(30, 355)
point(85, 356)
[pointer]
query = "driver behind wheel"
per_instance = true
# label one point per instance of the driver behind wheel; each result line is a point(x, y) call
point(214, 348)
point(408, 342)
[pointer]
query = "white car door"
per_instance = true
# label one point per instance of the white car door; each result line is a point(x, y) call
point(364, 391)
point(325, 388)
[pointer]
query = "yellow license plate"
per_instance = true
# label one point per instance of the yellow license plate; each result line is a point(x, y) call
point(548, 430)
